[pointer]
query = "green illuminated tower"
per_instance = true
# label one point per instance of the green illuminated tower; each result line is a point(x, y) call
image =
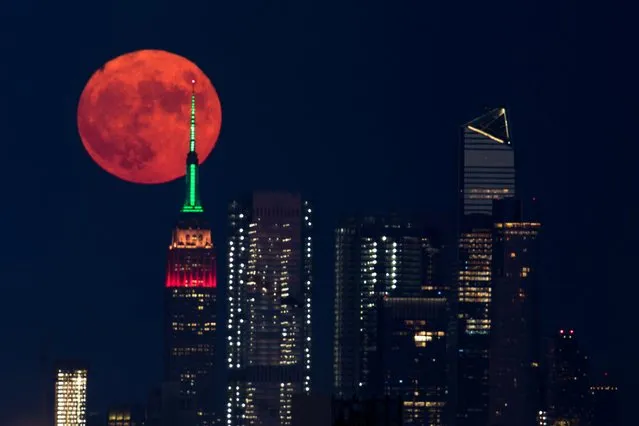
point(192, 202)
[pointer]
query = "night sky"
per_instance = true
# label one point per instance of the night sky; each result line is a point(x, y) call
point(355, 103)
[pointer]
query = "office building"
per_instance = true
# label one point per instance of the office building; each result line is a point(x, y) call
point(514, 335)
point(486, 173)
point(414, 357)
point(190, 299)
point(487, 162)
point(269, 307)
point(71, 394)
point(390, 309)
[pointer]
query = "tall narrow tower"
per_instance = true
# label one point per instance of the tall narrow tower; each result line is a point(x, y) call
point(486, 173)
point(190, 298)
point(514, 349)
point(269, 301)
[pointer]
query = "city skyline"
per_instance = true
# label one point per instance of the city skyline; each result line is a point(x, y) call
point(299, 138)
point(272, 230)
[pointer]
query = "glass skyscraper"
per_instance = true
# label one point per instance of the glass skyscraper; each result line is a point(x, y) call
point(488, 163)
point(269, 307)
point(486, 173)
point(390, 317)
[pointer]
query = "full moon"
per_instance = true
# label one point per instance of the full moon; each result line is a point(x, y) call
point(134, 115)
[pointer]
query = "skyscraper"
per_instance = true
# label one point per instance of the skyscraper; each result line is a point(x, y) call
point(569, 382)
point(487, 173)
point(269, 307)
point(190, 298)
point(414, 357)
point(71, 394)
point(487, 162)
point(390, 316)
point(514, 334)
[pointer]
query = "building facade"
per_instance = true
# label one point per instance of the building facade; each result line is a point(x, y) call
point(568, 382)
point(486, 173)
point(71, 394)
point(488, 162)
point(269, 307)
point(515, 348)
point(414, 357)
point(125, 416)
point(190, 301)
point(390, 309)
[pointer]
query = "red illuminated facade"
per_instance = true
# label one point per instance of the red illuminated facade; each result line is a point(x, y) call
point(191, 260)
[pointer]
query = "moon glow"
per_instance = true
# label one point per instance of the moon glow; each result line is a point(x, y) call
point(134, 116)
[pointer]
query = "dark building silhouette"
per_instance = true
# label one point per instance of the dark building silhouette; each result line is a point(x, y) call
point(486, 173)
point(95, 418)
point(269, 307)
point(168, 406)
point(313, 410)
point(515, 346)
point(604, 400)
point(190, 299)
point(391, 316)
point(327, 411)
point(368, 412)
point(568, 382)
point(414, 357)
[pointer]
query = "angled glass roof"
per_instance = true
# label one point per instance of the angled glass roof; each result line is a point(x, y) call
point(493, 124)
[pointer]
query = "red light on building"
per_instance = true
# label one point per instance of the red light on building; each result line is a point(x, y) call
point(191, 268)
point(191, 279)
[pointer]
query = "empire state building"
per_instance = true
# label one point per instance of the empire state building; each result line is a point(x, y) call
point(190, 298)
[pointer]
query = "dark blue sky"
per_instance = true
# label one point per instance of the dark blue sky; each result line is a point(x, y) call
point(357, 104)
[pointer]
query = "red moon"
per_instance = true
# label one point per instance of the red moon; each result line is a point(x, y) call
point(134, 116)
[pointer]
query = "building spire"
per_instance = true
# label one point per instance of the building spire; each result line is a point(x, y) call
point(192, 140)
point(192, 202)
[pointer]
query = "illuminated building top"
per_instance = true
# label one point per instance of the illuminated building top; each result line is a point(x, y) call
point(487, 169)
point(191, 257)
point(492, 125)
point(192, 202)
point(70, 396)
